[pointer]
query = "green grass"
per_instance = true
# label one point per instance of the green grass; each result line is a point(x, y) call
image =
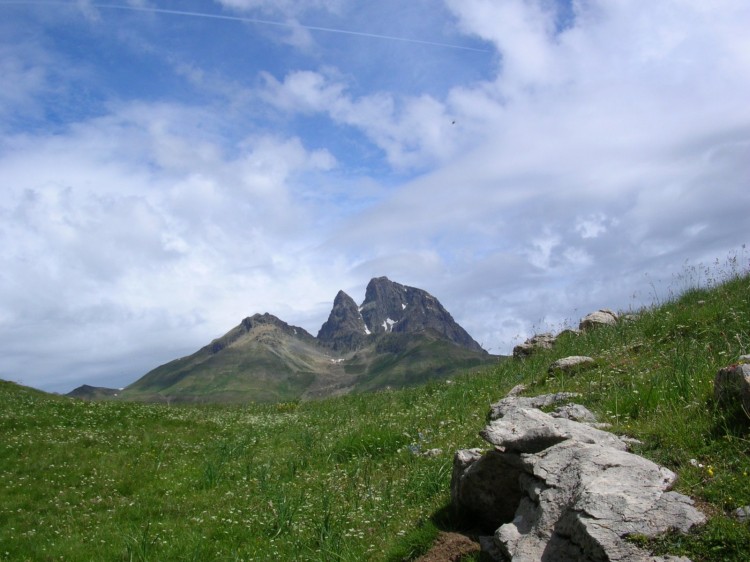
point(343, 479)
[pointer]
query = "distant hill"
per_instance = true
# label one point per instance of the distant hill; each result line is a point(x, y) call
point(398, 336)
point(87, 392)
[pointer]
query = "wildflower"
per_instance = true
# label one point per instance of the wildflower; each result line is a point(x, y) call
point(710, 471)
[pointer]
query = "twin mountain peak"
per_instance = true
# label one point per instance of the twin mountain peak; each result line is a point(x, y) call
point(398, 336)
point(388, 307)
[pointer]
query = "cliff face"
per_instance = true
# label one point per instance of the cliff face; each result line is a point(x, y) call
point(345, 328)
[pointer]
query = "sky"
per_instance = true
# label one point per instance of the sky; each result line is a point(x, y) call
point(168, 168)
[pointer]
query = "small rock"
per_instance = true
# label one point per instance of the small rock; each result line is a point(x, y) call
point(744, 359)
point(432, 453)
point(602, 317)
point(742, 513)
point(571, 364)
point(732, 386)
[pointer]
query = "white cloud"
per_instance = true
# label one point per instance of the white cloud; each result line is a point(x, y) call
point(522, 31)
point(591, 226)
point(135, 220)
point(413, 132)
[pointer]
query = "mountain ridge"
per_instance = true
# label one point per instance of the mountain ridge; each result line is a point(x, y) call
point(398, 336)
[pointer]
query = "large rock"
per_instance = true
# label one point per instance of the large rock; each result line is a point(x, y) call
point(732, 387)
point(534, 344)
point(571, 364)
point(574, 491)
point(602, 317)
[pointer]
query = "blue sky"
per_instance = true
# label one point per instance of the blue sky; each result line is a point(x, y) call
point(166, 174)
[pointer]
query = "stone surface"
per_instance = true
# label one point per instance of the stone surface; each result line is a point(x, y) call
point(602, 317)
point(563, 490)
point(574, 412)
point(732, 387)
point(571, 364)
point(529, 430)
point(533, 344)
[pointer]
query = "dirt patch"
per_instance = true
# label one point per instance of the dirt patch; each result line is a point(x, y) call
point(450, 547)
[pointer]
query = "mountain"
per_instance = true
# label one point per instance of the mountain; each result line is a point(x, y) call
point(86, 392)
point(398, 336)
point(390, 307)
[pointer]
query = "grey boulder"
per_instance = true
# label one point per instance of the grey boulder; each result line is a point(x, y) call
point(556, 489)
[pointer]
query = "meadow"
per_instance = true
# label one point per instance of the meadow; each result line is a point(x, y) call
point(348, 478)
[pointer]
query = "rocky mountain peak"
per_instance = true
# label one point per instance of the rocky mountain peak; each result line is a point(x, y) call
point(384, 305)
point(345, 328)
point(389, 307)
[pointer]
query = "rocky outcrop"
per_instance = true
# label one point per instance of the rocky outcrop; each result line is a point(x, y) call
point(603, 317)
point(534, 344)
point(556, 489)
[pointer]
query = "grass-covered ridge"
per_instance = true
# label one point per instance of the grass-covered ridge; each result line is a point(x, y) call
point(344, 478)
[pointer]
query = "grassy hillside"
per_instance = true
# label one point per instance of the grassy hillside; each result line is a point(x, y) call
point(344, 478)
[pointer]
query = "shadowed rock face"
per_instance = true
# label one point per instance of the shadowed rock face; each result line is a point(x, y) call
point(389, 307)
point(345, 328)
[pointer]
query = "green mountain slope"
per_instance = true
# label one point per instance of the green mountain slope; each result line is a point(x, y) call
point(265, 360)
point(262, 359)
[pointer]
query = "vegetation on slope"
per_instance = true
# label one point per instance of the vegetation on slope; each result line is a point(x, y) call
point(345, 478)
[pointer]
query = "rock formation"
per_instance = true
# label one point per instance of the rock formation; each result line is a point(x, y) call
point(556, 489)
point(533, 344)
